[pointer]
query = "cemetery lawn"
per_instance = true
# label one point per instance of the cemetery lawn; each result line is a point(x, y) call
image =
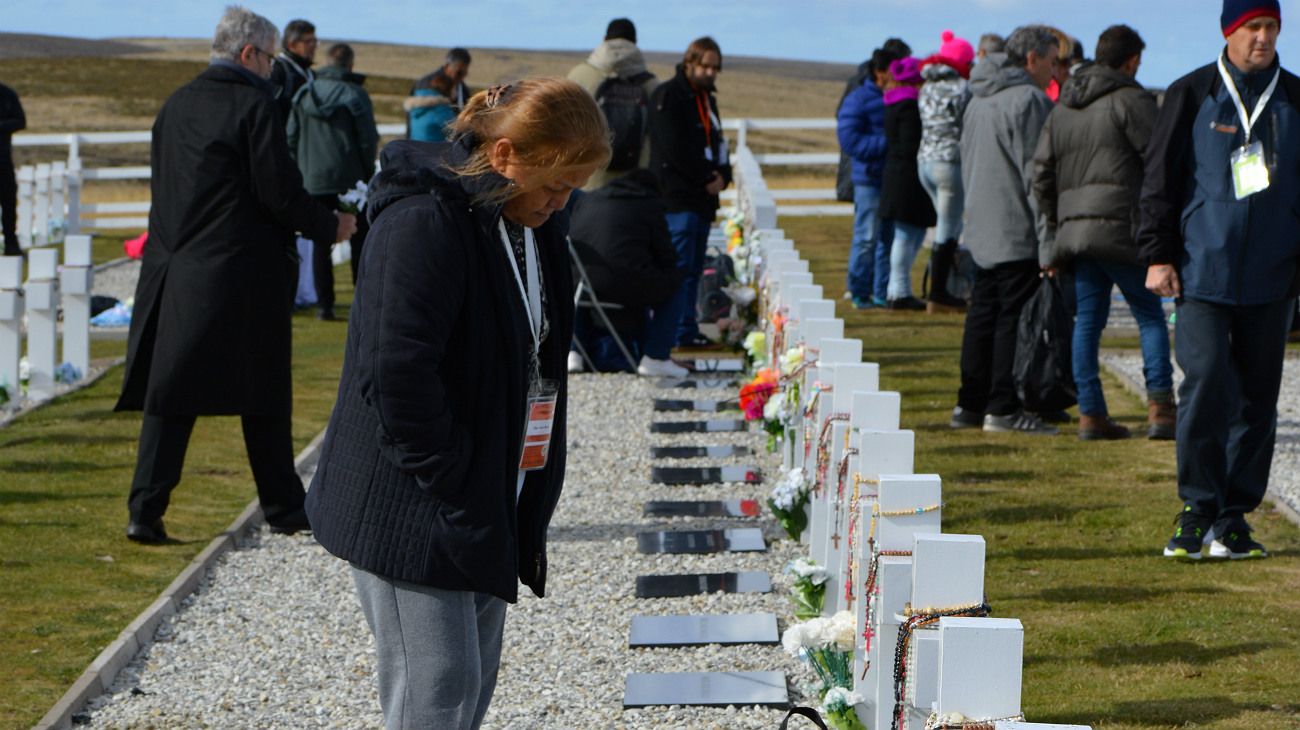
point(1115, 635)
point(69, 580)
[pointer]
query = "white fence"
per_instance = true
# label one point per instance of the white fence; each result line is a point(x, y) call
point(72, 215)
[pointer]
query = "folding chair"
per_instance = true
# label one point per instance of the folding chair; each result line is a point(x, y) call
point(587, 291)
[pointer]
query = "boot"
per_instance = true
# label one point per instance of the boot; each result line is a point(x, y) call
point(940, 266)
point(1162, 415)
point(1100, 428)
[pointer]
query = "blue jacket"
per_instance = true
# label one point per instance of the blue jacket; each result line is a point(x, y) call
point(1227, 251)
point(428, 114)
point(861, 129)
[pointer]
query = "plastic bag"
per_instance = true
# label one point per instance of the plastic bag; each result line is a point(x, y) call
point(1043, 368)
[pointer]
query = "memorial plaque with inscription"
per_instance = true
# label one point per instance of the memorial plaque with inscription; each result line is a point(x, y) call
point(706, 475)
point(707, 689)
point(717, 382)
point(703, 406)
point(725, 426)
point(694, 584)
point(740, 628)
point(738, 540)
point(716, 365)
point(697, 452)
point(721, 508)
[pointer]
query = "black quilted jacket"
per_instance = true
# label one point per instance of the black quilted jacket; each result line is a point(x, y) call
point(418, 468)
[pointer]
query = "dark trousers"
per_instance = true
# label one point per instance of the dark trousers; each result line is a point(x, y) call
point(9, 207)
point(322, 268)
point(164, 439)
point(988, 346)
point(1227, 405)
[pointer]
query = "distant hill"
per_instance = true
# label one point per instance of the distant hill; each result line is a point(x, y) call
point(31, 45)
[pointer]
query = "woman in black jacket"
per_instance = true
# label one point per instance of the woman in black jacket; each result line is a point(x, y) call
point(456, 349)
point(902, 200)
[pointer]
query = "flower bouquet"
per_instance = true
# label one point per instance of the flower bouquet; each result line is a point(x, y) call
point(756, 347)
point(354, 200)
point(67, 373)
point(838, 707)
point(826, 644)
point(789, 502)
point(755, 394)
point(809, 588)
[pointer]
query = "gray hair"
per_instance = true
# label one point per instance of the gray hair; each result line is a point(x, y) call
point(240, 27)
point(1036, 39)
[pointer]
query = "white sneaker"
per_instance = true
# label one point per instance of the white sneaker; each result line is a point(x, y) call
point(576, 365)
point(652, 368)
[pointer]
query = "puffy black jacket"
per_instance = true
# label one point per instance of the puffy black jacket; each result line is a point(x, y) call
point(1088, 166)
point(682, 154)
point(901, 196)
point(418, 468)
point(621, 235)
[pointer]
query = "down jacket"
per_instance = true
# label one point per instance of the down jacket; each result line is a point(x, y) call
point(860, 125)
point(419, 464)
point(1088, 166)
point(943, 102)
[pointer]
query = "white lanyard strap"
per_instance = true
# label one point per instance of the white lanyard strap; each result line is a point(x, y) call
point(1248, 120)
point(532, 292)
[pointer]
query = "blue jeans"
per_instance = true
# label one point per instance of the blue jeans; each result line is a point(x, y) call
point(866, 231)
point(884, 251)
point(690, 233)
point(907, 241)
point(1093, 281)
point(942, 181)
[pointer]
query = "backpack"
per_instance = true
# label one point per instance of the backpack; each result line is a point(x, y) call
point(719, 271)
point(625, 103)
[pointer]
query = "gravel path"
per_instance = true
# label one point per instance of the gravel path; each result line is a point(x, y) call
point(117, 281)
point(275, 637)
point(1284, 479)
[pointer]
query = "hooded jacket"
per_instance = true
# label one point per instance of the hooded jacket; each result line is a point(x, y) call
point(614, 57)
point(332, 133)
point(860, 126)
point(683, 154)
point(1227, 251)
point(1088, 166)
point(943, 102)
point(419, 464)
point(998, 137)
point(428, 111)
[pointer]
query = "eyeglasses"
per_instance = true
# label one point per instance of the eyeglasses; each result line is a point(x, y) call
point(269, 56)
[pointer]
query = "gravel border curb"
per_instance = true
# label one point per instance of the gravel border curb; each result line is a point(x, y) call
point(1280, 505)
point(9, 416)
point(99, 676)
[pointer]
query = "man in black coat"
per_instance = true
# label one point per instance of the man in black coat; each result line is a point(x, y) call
point(292, 68)
point(12, 120)
point(689, 154)
point(211, 330)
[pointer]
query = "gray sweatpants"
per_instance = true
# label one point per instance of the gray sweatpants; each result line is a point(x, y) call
point(438, 651)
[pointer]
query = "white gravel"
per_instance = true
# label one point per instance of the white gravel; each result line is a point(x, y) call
point(275, 637)
point(1284, 478)
point(117, 280)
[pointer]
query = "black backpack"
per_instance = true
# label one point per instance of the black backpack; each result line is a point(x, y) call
point(625, 103)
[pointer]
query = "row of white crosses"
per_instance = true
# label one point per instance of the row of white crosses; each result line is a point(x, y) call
point(46, 192)
point(39, 298)
point(875, 525)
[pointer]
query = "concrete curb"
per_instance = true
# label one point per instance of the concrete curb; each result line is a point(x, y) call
point(9, 416)
point(1280, 504)
point(101, 673)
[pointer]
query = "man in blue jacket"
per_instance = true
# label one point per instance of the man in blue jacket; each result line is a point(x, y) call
point(860, 124)
point(1220, 231)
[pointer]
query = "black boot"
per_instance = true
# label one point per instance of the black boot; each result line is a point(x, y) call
point(941, 260)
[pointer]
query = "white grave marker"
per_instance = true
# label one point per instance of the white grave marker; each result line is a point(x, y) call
point(42, 314)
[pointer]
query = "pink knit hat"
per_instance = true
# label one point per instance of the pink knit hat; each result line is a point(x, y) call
point(906, 70)
point(957, 50)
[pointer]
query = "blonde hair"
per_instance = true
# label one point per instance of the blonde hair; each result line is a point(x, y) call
point(553, 125)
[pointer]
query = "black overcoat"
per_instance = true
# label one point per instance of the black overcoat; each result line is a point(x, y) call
point(901, 197)
point(418, 468)
point(210, 332)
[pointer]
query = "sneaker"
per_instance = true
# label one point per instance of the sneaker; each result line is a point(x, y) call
point(696, 340)
point(907, 304)
point(653, 368)
point(576, 365)
point(1018, 422)
point(864, 303)
point(962, 418)
point(1189, 535)
point(878, 302)
point(1237, 545)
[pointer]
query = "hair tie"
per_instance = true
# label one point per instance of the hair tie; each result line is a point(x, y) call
point(495, 93)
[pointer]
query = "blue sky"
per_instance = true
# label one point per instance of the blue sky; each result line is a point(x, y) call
point(1180, 34)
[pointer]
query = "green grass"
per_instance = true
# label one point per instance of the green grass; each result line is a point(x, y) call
point(69, 580)
point(1115, 636)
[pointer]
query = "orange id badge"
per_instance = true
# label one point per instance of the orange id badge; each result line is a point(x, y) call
point(540, 422)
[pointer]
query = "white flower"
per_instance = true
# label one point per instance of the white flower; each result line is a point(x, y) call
point(805, 568)
point(792, 640)
point(774, 406)
point(791, 360)
point(840, 631)
point(784, 496)
point(839, 699)
point(740, 294)
point(356, 197)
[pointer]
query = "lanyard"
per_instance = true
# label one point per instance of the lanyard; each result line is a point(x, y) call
point(532, 293)
point(706, 117)
point(1248, 120)
point(306, 74)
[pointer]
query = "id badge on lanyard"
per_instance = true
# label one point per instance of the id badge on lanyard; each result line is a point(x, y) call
point(1247, 164)
point(542, 398)
point(543, 394)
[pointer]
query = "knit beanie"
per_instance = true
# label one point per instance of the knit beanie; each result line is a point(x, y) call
point(957, 50)
point(906, 70)
point(621, 28)
point(1237, 13)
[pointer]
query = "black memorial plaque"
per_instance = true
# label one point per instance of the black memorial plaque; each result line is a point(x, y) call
point(694, 584)
point(721, 508)
point(697, 452)
point(738, 540)
point(716, 382)
point(716, 365)
point(664, 405)
point(706, 475)
point(722, 426)
point(707, 689)
point(729, 629)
